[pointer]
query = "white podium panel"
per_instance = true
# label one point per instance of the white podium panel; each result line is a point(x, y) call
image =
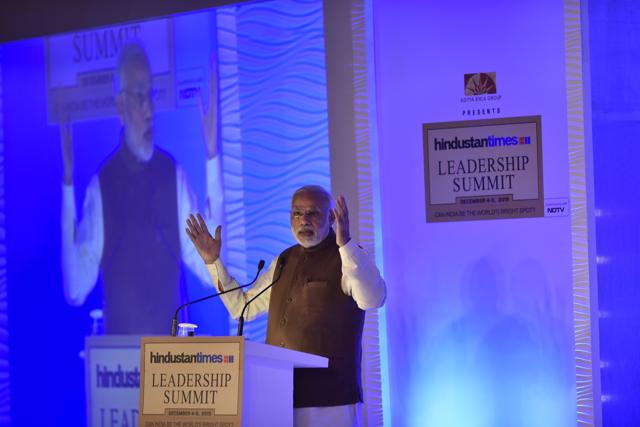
point(113, 380)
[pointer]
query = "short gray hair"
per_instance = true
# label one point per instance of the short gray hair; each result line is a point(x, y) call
point(314, 189)
point(132, 52)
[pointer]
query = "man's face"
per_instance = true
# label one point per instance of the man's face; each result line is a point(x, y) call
point(135, 106)
point(311, 219)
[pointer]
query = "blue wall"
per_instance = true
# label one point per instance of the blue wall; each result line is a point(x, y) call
point(479, 314)
point(44, 333)
point(615, 65)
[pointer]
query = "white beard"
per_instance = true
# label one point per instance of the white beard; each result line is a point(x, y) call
point(141, 150)
point(309, 242)
point(143, 154)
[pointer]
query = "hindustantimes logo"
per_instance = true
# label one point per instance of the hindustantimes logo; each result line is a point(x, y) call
point(200, 357)
point(106, 377)
point(490, 141)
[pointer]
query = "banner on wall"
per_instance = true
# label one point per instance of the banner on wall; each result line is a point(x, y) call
point(81, 68)
point(483, 169)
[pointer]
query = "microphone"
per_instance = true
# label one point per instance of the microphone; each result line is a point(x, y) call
point(241, 318)
point(174, 321)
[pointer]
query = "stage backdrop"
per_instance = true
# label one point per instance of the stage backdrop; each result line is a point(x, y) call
point(487, 320)
point(271, 59)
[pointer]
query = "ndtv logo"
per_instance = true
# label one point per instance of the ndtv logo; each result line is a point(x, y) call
point(555, 210)
point(199, 357)
point(490, 141)
point(556, 207)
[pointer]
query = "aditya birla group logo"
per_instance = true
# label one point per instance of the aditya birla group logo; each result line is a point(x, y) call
point(479, 84)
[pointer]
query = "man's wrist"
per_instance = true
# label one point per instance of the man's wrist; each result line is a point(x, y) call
point(212, 152)
point(210, 261)
point(343, 242)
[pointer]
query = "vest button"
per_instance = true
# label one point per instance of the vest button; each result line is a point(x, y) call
point(283, 322)
point(281, 343)
point(289, 299)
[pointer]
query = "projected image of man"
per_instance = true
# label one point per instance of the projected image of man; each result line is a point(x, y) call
point(129, 228)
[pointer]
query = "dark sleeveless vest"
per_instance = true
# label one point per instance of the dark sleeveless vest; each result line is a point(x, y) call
point(141, 262)
point(309, 312)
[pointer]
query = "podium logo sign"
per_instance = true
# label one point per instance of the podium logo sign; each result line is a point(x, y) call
point(199, 357)
point(483, 169)
point(191, 380)
point(113, 378)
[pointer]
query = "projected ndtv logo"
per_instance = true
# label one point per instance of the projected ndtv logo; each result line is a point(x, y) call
point(189, 358)
point(488, 142)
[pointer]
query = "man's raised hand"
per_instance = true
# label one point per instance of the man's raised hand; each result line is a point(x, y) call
point(341, 216)
point(66, 143)
point(207, 246)
point(209, 114)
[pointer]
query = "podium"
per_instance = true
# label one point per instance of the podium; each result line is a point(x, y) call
point(268, 383)
point(113, 379)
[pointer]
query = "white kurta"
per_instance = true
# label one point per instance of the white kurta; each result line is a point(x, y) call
point(83, 242)
point(360, 279)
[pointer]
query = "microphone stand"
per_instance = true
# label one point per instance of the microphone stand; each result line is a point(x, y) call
point(174, 320)
point(241, 318)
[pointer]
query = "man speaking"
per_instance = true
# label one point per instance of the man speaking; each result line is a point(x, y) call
point(317, 305)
